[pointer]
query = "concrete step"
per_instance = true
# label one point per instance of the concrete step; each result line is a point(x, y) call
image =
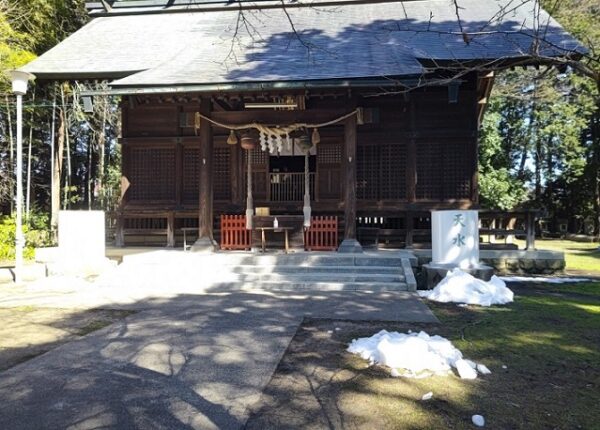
point(315, 277)
point(246, 268)
point(312, 286)
point(223, 258)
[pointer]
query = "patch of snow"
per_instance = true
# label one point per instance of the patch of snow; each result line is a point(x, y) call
point(471, 363)
point(461, 287)
point(465, 370)
point(544, 279)
point(478, 420)
point(419, 354)
point(427, 396)
point(483, 369)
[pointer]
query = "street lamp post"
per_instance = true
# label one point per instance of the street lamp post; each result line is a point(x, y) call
point(19, 87)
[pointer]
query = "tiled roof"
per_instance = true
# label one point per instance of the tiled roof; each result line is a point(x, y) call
point(342, 41)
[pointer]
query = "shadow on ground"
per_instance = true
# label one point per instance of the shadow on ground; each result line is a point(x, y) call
point(192, 361)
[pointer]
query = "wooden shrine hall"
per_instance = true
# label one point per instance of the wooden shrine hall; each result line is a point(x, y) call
point(343, 123)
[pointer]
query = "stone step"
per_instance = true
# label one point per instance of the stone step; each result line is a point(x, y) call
point(314, 277)
point(380, 259)
point(246, 268)
point(312, 286)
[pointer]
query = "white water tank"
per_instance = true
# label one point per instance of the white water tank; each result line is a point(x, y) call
point(455, 237)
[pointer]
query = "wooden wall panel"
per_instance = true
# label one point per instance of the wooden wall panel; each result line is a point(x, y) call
point(329, 169)
point(222, 173)
point(191, 174)
point(444, 169)
point(151, 173)
point(381, 172)
point(152, 120)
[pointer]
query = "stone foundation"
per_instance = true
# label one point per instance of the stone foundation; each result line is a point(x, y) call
point(513, 261)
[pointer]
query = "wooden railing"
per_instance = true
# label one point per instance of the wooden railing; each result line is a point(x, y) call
point(289, 187)
point(234, 234)
point(410, 227)
point(148, 223)
point(322, 235)
point(496, 226)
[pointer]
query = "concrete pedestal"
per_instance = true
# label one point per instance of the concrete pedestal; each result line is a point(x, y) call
point(350, 246)
point(436, 272)
point(204, 245)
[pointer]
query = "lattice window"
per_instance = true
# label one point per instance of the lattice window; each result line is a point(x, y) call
point(367, 172)
point(444, 170)
point(329, 154)
point(430, 165)
point(457, 171)
point(152, 174)
point(260, 166)
point(191, 174)
point(222, 174)
point(381, 172)
point(258, 156)
point(392, 171)
point(329, 170)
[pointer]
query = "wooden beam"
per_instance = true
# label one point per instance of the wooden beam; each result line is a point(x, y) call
point(205, 220)
point(274, 117)
point(349, 163)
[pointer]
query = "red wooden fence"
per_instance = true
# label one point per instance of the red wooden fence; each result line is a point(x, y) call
point(234, 234)
point(322, 235)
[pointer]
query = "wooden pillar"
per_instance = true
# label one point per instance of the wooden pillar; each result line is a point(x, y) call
point(178, 172)
point(205, 240)
point(409, 221)
point(350, 244)
point(530, 239)
point(236, 177)
point(171, 229)
point(350, 178)
point(119, 230)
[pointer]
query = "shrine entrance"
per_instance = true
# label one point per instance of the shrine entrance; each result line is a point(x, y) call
point(287, 177)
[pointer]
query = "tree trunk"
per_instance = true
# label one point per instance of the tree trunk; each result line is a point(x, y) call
point(67, 190)
point(57, 171)
point(538, 169)
point(596, 164)
point(28, 198)
point(521, 174)
point(11, 156)
point(102, 150)
point(549, 169)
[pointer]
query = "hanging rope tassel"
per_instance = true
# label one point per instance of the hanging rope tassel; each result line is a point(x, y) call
point(232, 139)
point(306, 209)
point(249, 200)
point(316, 138)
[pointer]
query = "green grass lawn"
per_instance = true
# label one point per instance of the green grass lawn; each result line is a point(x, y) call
point(548, 339)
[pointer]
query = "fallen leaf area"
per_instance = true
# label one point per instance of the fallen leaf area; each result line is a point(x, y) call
point(543, 351)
